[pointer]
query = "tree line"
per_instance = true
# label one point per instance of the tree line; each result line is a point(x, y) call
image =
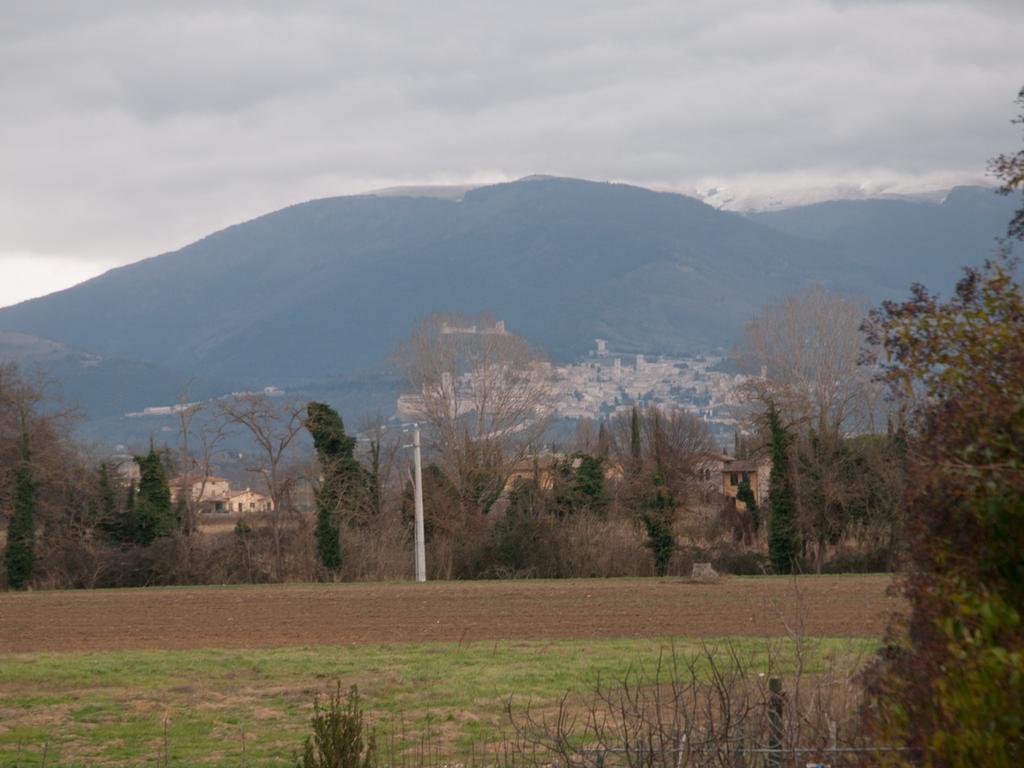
point(636, 493)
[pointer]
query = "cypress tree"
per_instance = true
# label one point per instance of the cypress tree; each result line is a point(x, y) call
point(657, 519)
point(153, 514)
point(635, 450)
point(783, 546)
point(124, 530)
point(589, 483)
point(745, 494)
point(343, 483)
point(107, 518)
point(19, 556)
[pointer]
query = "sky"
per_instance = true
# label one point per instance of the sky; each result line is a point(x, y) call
point(133, 128)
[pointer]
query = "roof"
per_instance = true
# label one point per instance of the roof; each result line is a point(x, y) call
point(742, 465)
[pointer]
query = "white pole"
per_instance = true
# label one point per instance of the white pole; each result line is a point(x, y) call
point(421, 555)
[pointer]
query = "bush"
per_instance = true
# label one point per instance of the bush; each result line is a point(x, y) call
point(873, 561)
point(729, 558)
point(591, 547)
point(340, 738)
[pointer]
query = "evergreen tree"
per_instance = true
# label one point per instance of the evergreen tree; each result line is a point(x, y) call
point(344, 480)
point(635, 450)
point(107, 518)
point(153, 514)
point(745, 494)
point(658, 519)
point(124, 529)
point(589, 485)
point(579, 485)
point(19, 556)
point(783, 546)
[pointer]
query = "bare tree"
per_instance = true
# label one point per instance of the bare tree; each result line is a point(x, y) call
point(381, 456)
point(672, 441)
point(195, 462)
point(485, 394)
point(804, 354)
point(273, 425)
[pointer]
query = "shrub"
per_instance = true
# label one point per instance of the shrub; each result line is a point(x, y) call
point(873, 561)
point(340, 738)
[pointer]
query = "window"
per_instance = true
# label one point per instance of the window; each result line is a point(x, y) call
point(252, 505)
point(746, 477)
point(733, 478)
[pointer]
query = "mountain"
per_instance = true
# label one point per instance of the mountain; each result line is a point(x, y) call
point(101, 387)
point(329, 287)
point(902, 241)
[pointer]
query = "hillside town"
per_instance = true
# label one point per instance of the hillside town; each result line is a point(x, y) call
point(606, 383)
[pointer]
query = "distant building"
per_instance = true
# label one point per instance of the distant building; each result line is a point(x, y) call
point(754, 472)
point(126, 468)
point(721, 473)
point(211, 493)
point(249, 501)
point(498, 329)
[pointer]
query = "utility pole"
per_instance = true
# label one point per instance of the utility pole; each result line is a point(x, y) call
point(419, 549)
point(421, 555)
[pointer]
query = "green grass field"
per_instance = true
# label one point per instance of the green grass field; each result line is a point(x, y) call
point(121, 707)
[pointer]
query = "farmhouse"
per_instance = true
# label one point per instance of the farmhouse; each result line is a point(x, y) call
point(249, 501)
point(754, 472)
point(211, 492)
point(722, 474)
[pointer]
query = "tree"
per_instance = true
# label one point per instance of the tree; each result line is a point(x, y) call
point(273, 426)
point(658, 518)
point(783, 547)
point(154, 514)
point(344, 484)
point(451, 531)
point(670, 443)
point(951, 686)
point(195, 466)
point(635, 447)
point(745, 494)
point(579, 485)
point(486, 395)
point(109, 519)
point(1009, 168)
point(805, 354)
point(808, 356)
point(19, 555)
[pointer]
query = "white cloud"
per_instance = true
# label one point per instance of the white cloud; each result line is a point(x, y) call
point(134, 128)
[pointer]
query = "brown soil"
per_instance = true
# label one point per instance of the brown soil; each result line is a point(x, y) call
point(313, 614)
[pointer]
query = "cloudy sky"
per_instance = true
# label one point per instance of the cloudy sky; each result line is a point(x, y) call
point(133, 128)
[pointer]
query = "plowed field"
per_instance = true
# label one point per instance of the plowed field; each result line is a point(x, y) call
point(304, 614)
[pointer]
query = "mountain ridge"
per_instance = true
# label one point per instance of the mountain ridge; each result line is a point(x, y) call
point(329, 286)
